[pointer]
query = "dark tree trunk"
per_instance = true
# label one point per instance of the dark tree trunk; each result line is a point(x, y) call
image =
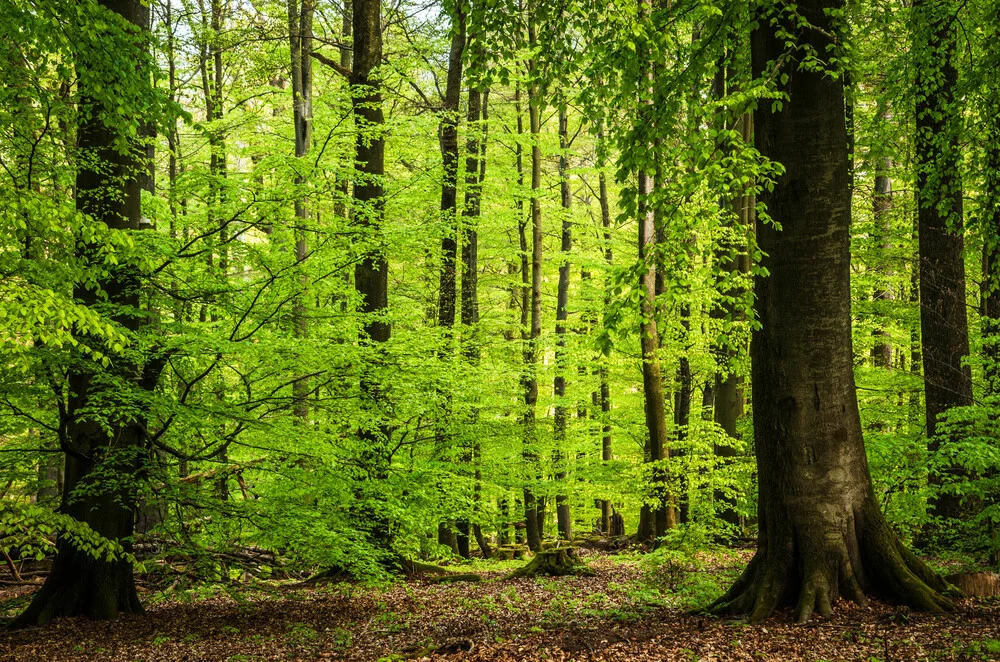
point(448, 139)
point(447, 291)
point(991, 253)
point(822, 533)
point(729, 394)
point(446, 536)
point(371, 275)
point(565, 523)
point(103, 457)
point(475, 174)
point(944, 328)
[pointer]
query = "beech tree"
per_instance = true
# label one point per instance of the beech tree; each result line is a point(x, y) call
point(822, 533)
point(944, 329)
point(100, 431)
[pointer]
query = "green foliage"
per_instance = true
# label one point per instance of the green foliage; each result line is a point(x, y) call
point(240, 327)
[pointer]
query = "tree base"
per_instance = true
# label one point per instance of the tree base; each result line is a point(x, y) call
point(80, 585)
point(554, 562)
point(811, 570)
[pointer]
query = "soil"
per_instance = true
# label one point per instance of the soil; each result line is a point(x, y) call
point(611, 617)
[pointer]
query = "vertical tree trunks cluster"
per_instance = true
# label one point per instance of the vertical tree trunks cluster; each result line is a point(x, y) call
point(475, 174)
point(728, 394)
point(991, 249)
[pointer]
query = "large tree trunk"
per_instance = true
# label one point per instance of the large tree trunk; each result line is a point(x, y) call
point(103, 456)
point(822, 533)
point(944, 328)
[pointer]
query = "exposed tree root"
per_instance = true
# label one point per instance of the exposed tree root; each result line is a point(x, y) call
point(811, 568)
point(80, 585)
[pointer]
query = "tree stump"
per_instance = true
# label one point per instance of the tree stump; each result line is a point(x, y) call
point(617, 525)
point(554, 562)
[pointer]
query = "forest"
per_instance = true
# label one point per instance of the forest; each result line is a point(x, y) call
point(499, 330)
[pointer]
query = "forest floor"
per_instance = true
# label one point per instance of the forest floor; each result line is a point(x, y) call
point(631, 610)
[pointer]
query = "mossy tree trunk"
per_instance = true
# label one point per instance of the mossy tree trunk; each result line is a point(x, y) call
point(822, 533)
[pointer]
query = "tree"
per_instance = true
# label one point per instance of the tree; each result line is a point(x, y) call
point(565, 523)
point(101, 430)
point(822, 533)
point(300, 34)
point(944, 330)
point(660, 516)
point(371, 274)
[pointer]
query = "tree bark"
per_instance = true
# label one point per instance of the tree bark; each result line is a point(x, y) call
point(475, 174)
point(822, 533)
point(729, 398)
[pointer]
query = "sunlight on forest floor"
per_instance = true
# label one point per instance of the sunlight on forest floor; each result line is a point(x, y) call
point(631, 610)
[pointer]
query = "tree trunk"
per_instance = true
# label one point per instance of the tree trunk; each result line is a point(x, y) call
point(448, 141)
point(944, 328)
point(300, 34)
point(565, 523)
point(605, 386)
point(991, 254)
point(475, 174)
point(822, 533)
point(371, 274)
point(661, 516)
point(735, 260)
point(882, 205)
point(530, 381)
point(103, 457)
